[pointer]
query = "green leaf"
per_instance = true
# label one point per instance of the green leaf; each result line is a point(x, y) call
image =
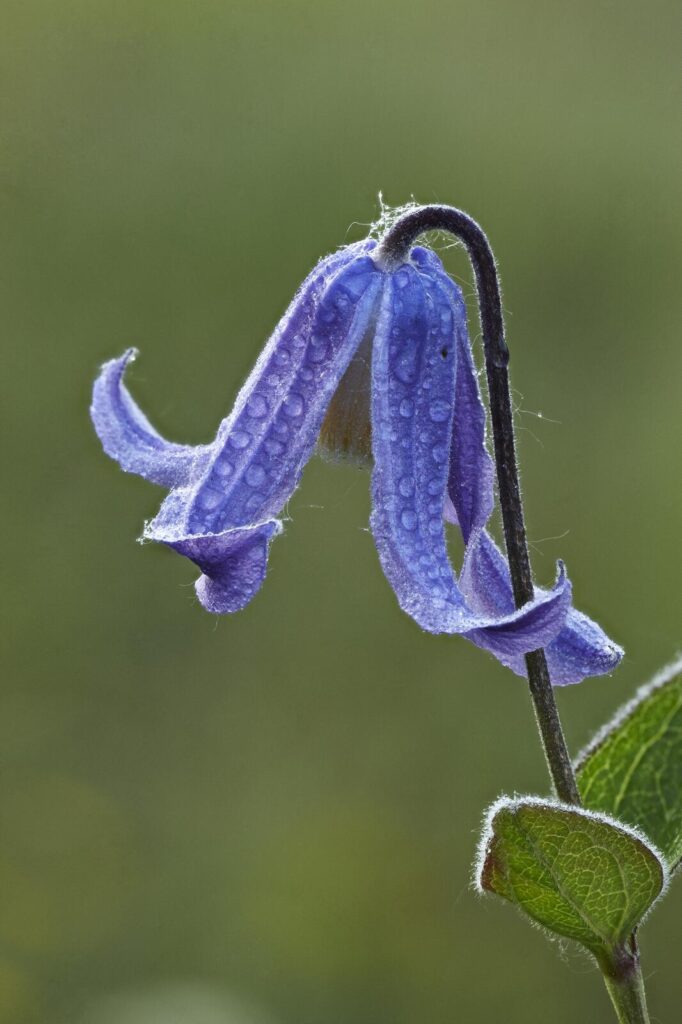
point(633, 767)
point(579, 874)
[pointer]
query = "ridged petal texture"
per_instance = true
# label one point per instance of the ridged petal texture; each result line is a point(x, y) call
point(431, 464)
point(414, 371)
point(580, 648)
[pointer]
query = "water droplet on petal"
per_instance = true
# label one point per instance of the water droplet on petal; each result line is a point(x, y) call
point(406, 408)
point(273, 447)
point(439, 411)
point(294, 405)
point(255, 475)
point(406, 367)
point(257, 406)
point(406, 486)
point(408, 518)
point(306, 373)
point(317, 350)
point(210, 498)
point(439, 453)
point(255, 503)
point(223, 467)
point(282, 356)
point(435, 526)
point(435, 485)
point(240, 439)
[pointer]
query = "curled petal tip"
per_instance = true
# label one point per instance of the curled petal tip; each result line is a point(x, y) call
point(233, 563)
point(127, 435)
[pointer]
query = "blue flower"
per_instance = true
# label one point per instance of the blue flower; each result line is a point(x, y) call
point(371, 361)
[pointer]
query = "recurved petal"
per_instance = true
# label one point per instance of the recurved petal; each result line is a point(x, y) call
point(580, 649)
point(224, 519)
point(413, 387)
point(261, 449)
point(233, 563)
point(128, 436)
point(471, 471)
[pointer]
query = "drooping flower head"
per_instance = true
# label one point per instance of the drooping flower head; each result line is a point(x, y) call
point(372, 359)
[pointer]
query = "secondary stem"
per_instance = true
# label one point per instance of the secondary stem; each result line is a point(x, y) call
point(622, 976)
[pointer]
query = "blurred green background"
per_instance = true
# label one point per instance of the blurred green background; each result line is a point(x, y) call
point(272, 817)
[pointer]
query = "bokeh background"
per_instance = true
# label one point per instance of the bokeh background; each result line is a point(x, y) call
point(272, 817)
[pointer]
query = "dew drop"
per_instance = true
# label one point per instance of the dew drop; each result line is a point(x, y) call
point(257, 407)
point(210, 499)
point(255, 503)
point(406, 486)
point(406, 408)
point(435, 485)
point(293, 405)
point(273, 447)
point(439, 453)
point(406, 367)
point(317, 350)
point(223, 467)
point(255, 475)
point(408, 518)
point(435, 526)
point(240, 439)
point(439, 411)
point(282, 357)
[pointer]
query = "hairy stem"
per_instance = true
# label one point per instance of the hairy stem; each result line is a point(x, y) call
point(625, 985)
point(623, 977)
point(393, 250)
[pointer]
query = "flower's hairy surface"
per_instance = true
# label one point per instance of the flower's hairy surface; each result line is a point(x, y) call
point(374, 364)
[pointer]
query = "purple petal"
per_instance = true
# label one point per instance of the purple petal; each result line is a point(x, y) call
point(579, 650)
point(258, 456)
point(128, 436)
point(413, 387)
point(233, 564)
point(471, 471)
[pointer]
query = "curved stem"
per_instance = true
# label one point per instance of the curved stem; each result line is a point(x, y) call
point(393, 250)
point(623, 977)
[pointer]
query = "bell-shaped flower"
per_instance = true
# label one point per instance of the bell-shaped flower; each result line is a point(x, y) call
point(371, 361)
